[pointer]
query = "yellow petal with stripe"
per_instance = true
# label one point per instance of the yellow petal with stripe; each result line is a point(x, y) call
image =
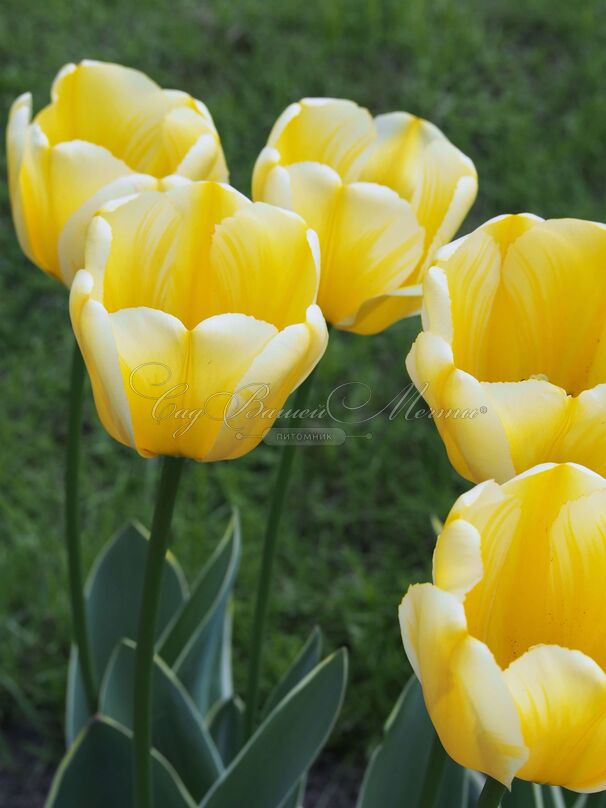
point(464, 689)
point(333, 131)
point(126, 112)
point(370, 240)
point(414, 157)
point(109, 132)
point(561, 698)
point(178, 381)
point(204, 298)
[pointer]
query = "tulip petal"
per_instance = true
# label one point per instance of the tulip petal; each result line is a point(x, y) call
point(585, 438)
point(332, 131)
point(263, 264)
point(16, 139)
point(61, 188)
point(369, 238)
point(286, 360)
point(160, 253)
point(430, 365)
point(192, 145)
point(475, 427)
point(457, 559)
point(515, 282)
point(437, 315)
point(178, 382)
point(124, 111)
point(375, 244)
point(93, 330)
point(154, 350)
point(39, 234)
point(77, 171)
point(533, 414)
point(477, 504)
point(561, 698)
point(517, 604)
point(309, 189)
point(577, 571)
point(464, 689)
point(413, 157)
point(473, 277)
point(382, 311)
point(84, 177)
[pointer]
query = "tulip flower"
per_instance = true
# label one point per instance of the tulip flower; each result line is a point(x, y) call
point(109, 131)
point(508, 641)
point(383, 194)
point(196, 317)
point(512, 356)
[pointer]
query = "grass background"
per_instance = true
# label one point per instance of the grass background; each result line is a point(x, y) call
point(519, 87)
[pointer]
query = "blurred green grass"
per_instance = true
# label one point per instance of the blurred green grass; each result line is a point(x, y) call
point(519, 88)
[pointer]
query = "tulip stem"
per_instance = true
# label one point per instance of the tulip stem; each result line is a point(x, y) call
point(270, 543)
point(72, 530)
point(492, 794)
point(433, 774)
point(154, 567)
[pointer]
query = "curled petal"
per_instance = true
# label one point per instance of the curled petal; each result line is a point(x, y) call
point(285, 361)
point(95, 336)
point(457, 559)
point(464, 689)
point(476, 428)
point(16, 140)
point(378, 313)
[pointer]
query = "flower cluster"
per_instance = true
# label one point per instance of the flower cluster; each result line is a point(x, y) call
point(185, 294)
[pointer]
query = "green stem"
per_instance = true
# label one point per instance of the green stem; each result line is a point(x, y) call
point(492, 794)
point(154, 567)
point(270, 544)
point(433, 774)
point(72, 529)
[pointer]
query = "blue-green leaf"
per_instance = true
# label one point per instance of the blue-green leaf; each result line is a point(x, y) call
point(307, 659)
point(396, 771)
point(226, 722)
point(113, 596)
point(285, 745)
point(295, 798)
point(178, 731)
point(76, 707)
point(197, 642)
point(97, 772)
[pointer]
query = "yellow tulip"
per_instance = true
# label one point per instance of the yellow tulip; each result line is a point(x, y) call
point(196, 317)
point(512, 358)
point(383, 195)
point(109, 131)
point(508, 642)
